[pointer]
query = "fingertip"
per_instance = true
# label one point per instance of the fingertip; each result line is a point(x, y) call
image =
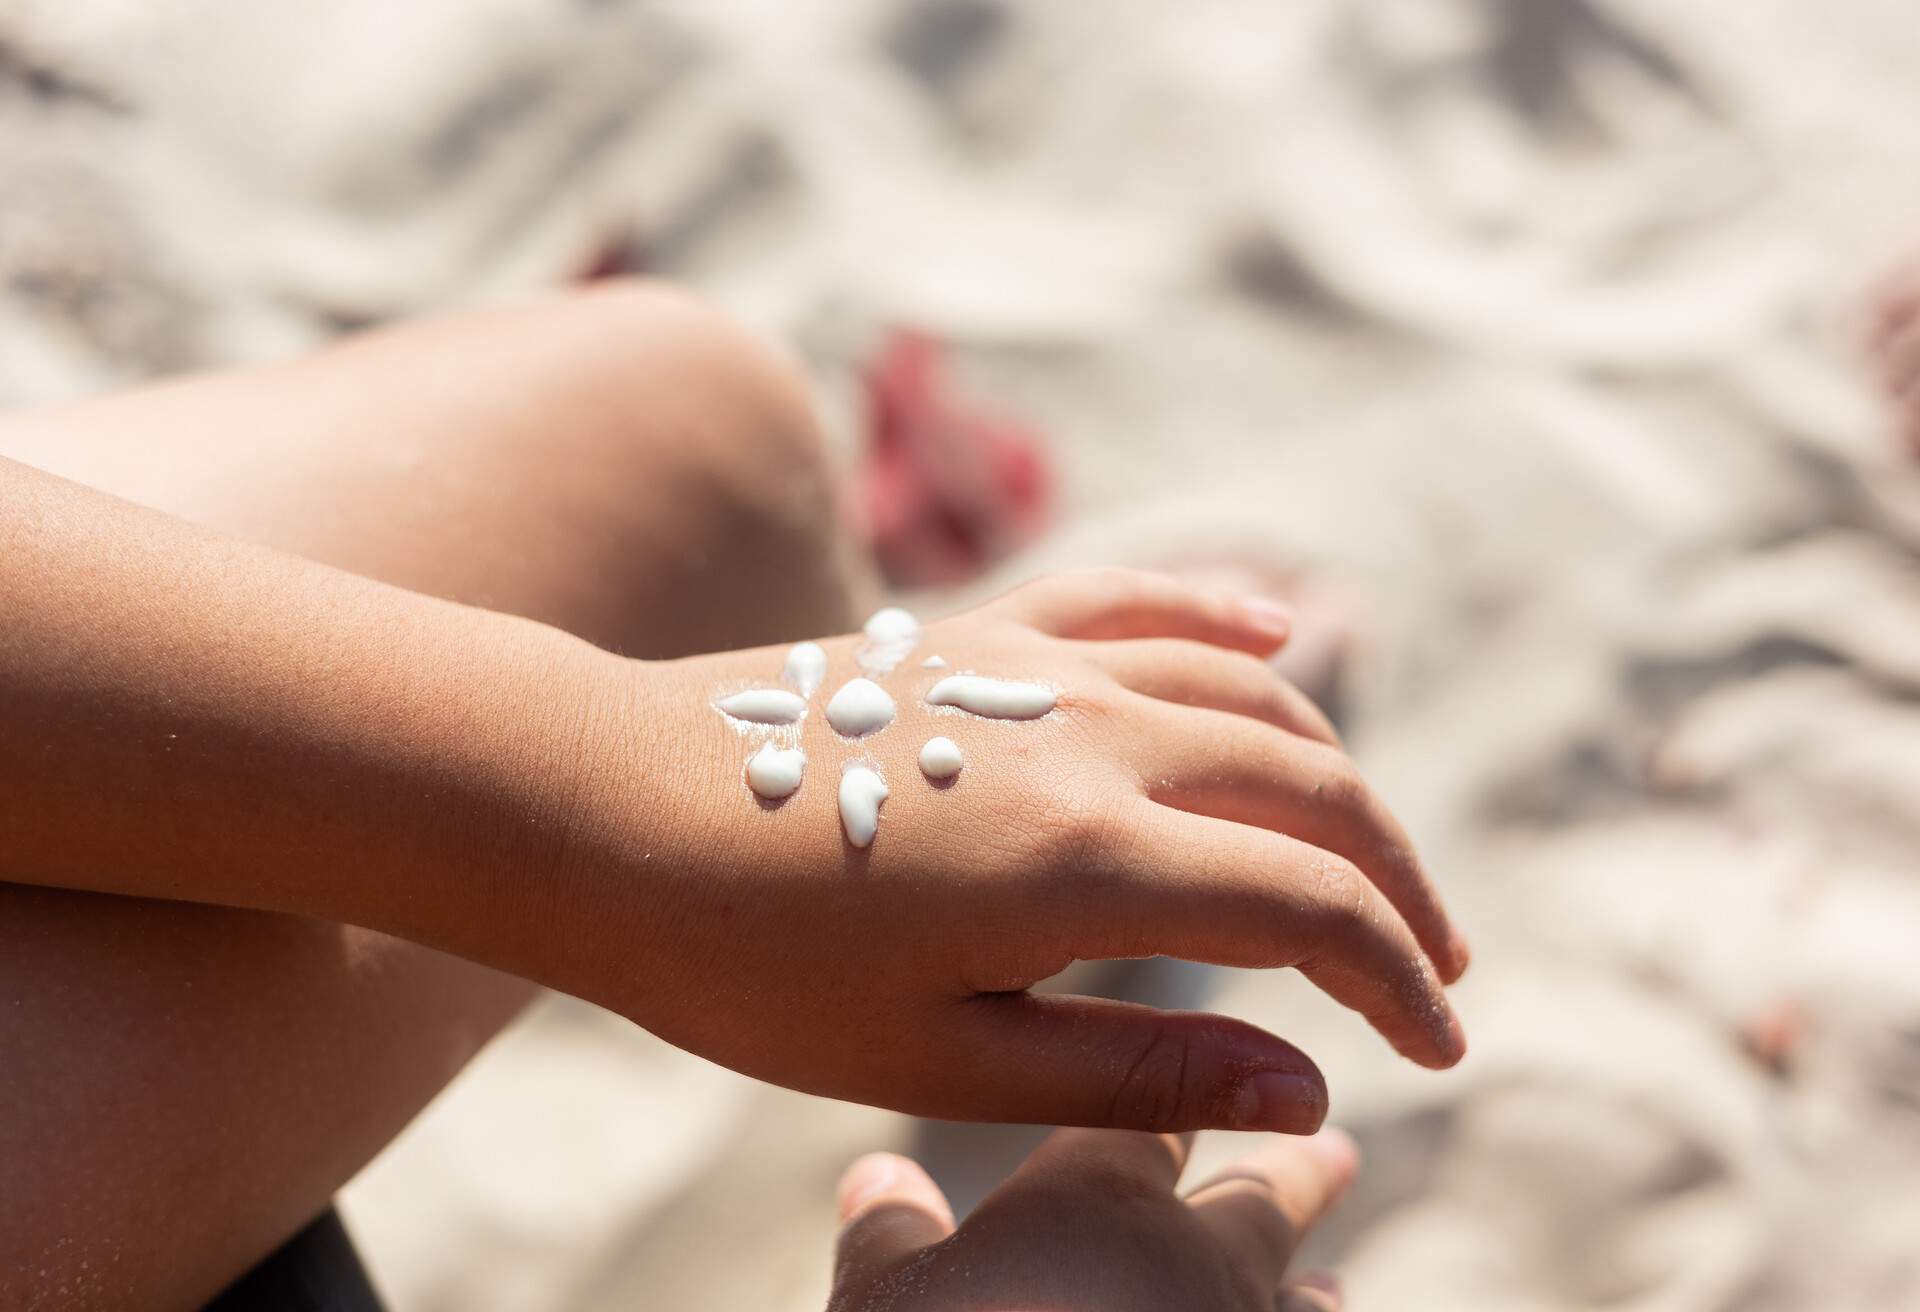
point(1316, 1291)
point(889, 1209)
point(1437, 1053)
point(1336, 1152)
point(1308, 1300)
point(1271, 620)
point(889, 1176)
point(1436, 1040)
point(1284, 1101)
point(865, 1179)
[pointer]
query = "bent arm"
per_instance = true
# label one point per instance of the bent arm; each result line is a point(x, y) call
point(186, 716)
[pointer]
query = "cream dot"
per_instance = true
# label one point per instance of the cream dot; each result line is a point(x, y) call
point(891, 635)
point(861, 792)
point(775, 772)
point(940, 758)
point(995, 699)
point(806, 666)
point(764, 706)
point(860, 707)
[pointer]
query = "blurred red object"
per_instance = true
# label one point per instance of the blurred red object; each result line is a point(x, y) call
point(1776, 1036)
point(946, 488)
point(618, 254)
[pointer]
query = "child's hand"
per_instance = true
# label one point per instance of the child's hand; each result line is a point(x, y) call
point(1091, 1222)
point(1180, 799)
point(195, 718)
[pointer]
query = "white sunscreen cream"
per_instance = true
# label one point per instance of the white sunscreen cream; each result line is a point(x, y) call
point(764, 706)
point(940, 758)
point(806, 667)
point(996, 699)
point(891, 635)
point(774, 772)
point(859, 708)
point(861, 792)
point(934, 663)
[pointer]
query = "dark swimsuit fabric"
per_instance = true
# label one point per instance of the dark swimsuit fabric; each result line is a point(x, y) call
point(318, 1270)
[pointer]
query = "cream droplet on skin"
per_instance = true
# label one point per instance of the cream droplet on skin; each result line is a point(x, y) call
point(764, 706)
point(891, 635)
point(934, 663)
point(995, 699)
point(861, 792)
point(859, 708)
point(774, 772)
point(940, 758)
point(806, 667)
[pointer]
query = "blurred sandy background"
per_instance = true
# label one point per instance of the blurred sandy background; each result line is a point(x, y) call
point(1526, 326)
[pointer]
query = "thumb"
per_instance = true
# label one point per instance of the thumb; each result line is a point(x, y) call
point(1057, 1059)
point(889, 1209)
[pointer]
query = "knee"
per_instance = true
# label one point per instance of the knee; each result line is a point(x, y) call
point(691, 384)
point(715, 434)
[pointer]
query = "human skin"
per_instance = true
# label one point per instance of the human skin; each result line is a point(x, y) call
point(1092, 1222)
point(604, 463)
point(186, 1085)
point(266, 732)
point(1212, 821)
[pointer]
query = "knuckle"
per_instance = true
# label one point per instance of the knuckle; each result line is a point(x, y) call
point(1117, 588)
point(1097, 700)
point(1154, 1093)
point(1341, 788)
point(1342, 898)
point(1082, 831)
point(1034, 589)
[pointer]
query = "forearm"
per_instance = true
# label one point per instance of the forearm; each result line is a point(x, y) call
point(185, 716)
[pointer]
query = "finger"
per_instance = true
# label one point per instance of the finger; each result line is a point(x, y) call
point(1232, 768)
point(1123, 603)
point(889, 1209)
point(1262, 1206)
point(1195, 674)
point(1142, 1158)
point(1321, 1296)
point(1188, 886)
point(1056, 1059)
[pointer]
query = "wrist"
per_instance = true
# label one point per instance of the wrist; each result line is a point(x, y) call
point(547, 723)
point(595, 831)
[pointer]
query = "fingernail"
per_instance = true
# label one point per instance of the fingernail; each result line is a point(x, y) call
point(867, 1178)
point(1266, 613)
point(1279, 1100)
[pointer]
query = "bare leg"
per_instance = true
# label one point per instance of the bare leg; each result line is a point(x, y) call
point(197, 1082)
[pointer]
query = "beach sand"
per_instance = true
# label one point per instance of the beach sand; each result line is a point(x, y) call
point(1528, 327)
